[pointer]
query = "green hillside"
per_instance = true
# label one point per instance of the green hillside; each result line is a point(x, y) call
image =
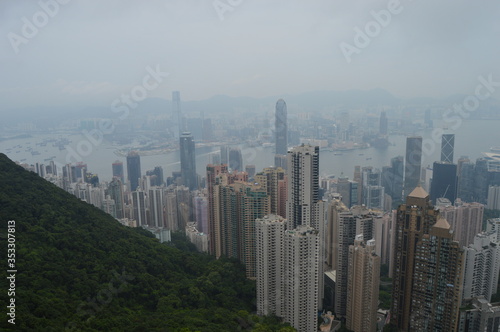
point(78, 269)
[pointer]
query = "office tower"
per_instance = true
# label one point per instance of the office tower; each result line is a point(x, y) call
point(250, 169)
point(348, 190)
point(447, 148)
point(177, 114)
point(466, 220)
point(117, 168)
point(482, 263)
point(392, 178)
point(383, 125)
point(156, 207)
point(493, 201)
point(346, 224)
point(224, 153)
point(156, 176)
point(363, 286)
point(133, 170)
point(444, 181)
point(357, 178)
point(115, 191)
point(414, 219)
point(281, 128)
point(208, 134)
point(235, 159)
point(412, 163)
point(270, 232)
point(188, 161)
point(465, 173)
point(478, 315)
point(437, 287)
point(280, 160)
point(373, 192)
point(139, 204)
point(301, 282)
point(273, 180)
point(303, 186)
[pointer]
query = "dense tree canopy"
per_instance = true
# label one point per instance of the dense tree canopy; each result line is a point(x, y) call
point(80, 270)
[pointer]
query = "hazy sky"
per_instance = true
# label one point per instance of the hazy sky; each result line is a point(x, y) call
point(90, 51)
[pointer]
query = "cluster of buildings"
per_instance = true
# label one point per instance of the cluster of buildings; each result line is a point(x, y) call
point(316, 244)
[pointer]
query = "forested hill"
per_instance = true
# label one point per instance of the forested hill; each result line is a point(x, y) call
point(78, 269)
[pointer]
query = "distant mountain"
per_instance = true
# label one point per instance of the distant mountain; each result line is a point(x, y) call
point(312, 101)
point(78, 269)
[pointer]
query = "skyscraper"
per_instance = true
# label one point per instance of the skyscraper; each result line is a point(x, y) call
point(302, 243)
point(188, 161)
point(176, 114)
point(302, 283)
point(270, 232)
point(482, 262)
point(414, 219)
point(437, 286)
point(133, 170)
point(156, 207)
point(363, 286)
point(444, 181)
point(303, 185)
point(412, 163)
point(281, 127)
point(117, 168)
point(139, 204)
point(235, 159)
point(272, 179)
point(115, 191)
point(447, 148)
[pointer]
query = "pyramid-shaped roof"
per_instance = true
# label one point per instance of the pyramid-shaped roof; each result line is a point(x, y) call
point(442, 223)
point(418, 192)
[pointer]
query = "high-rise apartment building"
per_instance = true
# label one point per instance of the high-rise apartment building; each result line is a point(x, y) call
point(303, 186)
point(273, 180)
point(447, 148)
point(466, 220)
point(302, 283)
point(344, 225)
point(363, 286)
point(413, 221)
point(482, 263)
point(270, 232)
point(188, 161)
point(139, 204)
point(281, 128)
point(133, 169)
point(478, 315)
point(413, 162)
point(437, 281)
point(156, 207)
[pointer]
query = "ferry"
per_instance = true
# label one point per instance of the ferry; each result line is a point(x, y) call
point(495, 149)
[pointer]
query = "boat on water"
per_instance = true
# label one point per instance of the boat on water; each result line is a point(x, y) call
point(495, 149)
